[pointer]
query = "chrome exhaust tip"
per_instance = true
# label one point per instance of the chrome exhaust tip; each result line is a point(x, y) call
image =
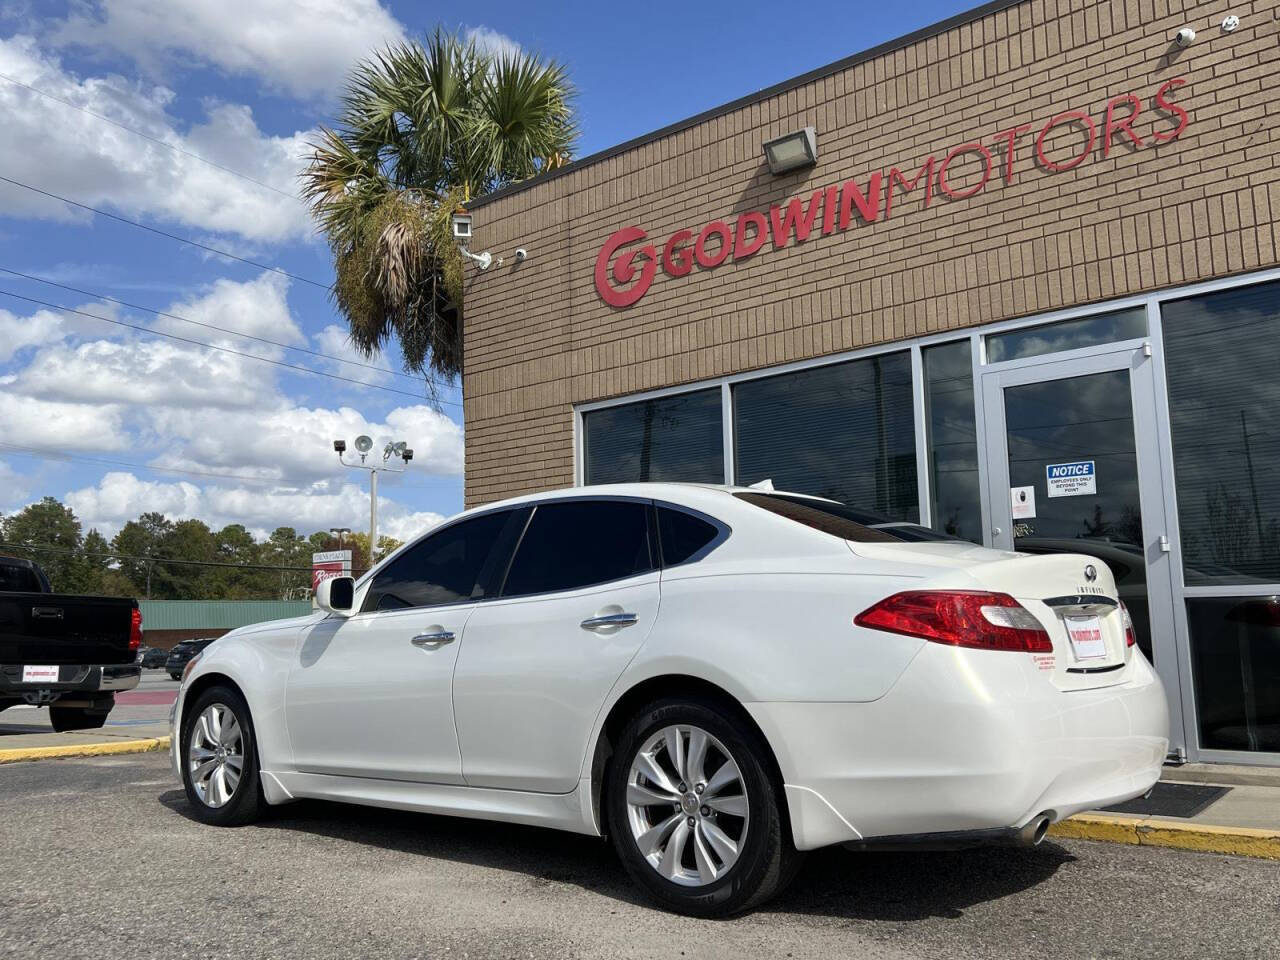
point(1035, 830)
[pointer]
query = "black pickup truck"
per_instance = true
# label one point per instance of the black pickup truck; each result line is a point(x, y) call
point(68, 653)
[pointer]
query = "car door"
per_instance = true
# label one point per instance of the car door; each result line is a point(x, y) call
point(579, 599)
point(369, 694)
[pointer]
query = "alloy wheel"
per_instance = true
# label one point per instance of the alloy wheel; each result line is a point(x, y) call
point(687, 805)
point(215, 755)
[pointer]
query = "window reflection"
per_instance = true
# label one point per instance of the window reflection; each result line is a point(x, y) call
point(1089, 331)
point(1235, 651)
point(953, 445)
point(1222, 355)
point(678, 438)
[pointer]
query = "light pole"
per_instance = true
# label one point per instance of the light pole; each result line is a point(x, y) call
point(363, 444)
point(339, 531)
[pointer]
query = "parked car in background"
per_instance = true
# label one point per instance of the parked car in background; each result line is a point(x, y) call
point(71, 654)
point(716, 678)
point(154, 658)
point(176, 660)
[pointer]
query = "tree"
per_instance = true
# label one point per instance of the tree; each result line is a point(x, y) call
point(137, 543)
point(50, 535)
point(426, 127)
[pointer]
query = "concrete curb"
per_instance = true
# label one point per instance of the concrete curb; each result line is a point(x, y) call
point(84, 750)
point(1202, 837)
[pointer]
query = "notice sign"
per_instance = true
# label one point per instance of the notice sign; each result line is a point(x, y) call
point(1076, 479)
point(1023, 500)
point(330, 564)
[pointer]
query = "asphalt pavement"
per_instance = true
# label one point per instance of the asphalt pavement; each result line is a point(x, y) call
point(100, 858)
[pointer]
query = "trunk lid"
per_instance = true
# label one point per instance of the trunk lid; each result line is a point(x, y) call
point(1081, 614)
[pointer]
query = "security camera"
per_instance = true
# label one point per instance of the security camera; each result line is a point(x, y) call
point(521, 254)
point(340, 446)
point(406, 455)
point(462, 225)
point(1185, 37)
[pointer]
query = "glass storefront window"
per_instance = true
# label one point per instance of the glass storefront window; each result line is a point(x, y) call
point(676, 438)
point(1235, 652)
point(1222, 353)
point(844, 431)
point(953, 440)
point(1091, 331)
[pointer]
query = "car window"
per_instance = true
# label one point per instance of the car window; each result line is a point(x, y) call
point(15, 578)
point(576, 543)
point(826, 516)
point(443, 568)
point(684, 536)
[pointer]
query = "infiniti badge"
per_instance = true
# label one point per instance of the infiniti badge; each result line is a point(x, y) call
point(1091, 573)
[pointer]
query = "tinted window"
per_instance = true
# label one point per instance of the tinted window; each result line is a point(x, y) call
point(443, 568)
point(824, 515)
point(1068, 335)
point(669, 438)
point(18, 579)
point(953, 444)
point(578, 543)
point(683, 535)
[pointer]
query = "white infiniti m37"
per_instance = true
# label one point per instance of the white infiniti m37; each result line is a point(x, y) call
point(715, 678)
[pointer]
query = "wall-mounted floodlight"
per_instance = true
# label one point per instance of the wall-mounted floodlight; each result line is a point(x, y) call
point(462, 233)
point(792, 151)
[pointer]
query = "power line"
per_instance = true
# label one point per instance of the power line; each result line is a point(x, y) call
point(111, 555)
point(162, 233)
point(147, 136)
point(212, 326)
point(210, 346)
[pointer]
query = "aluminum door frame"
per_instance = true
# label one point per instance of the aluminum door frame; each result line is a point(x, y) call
point(1171, 654)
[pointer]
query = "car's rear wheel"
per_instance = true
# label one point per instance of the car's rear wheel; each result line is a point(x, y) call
point(220, 759)
point(694, 811)
point(76, 718)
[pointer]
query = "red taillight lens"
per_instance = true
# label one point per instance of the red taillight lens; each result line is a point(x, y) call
point(135, 630)
point(984, 621)
point(1130, 635)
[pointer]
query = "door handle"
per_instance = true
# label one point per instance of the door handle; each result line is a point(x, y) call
point(609, 620)
point(432, 639)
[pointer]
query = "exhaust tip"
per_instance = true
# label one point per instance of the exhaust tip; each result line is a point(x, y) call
point(1035, 830)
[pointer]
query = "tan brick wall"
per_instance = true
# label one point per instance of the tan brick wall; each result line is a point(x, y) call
point(540, 339)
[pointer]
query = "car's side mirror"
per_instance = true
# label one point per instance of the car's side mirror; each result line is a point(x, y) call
point(336, 595)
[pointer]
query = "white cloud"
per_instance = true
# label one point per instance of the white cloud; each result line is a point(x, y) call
point(303, 49)
point(61, 427)
point(18, 333)
point(53, 147)
point(492, 42)
point(336, 342)
point(258, 308)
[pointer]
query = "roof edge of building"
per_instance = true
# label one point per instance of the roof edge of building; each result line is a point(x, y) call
point(889, 46)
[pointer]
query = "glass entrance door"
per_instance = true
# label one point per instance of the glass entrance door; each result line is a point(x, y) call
point(1068, 473)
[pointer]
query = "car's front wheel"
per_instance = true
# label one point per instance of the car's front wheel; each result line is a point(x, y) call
point(694, 811)
point(220, 759)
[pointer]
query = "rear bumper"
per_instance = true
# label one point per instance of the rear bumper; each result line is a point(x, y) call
point(966, 741)
point(72, 680)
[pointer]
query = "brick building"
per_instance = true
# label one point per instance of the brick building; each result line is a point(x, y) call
point(1025, 292)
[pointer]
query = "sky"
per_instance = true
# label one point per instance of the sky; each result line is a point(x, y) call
point(110, 399)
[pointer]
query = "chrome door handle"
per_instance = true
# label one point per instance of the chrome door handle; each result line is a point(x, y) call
point(609, 620)
point(431, 639)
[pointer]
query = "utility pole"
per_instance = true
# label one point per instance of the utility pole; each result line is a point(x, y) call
point(395, 449)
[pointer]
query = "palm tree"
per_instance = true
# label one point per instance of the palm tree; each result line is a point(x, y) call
point(425, 128)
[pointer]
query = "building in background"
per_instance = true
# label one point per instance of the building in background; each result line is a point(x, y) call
point(166, 622)
point(1016, 280)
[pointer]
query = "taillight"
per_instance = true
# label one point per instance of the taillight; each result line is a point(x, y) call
point(960, 618)
point(1130, 635)
point(135, 630)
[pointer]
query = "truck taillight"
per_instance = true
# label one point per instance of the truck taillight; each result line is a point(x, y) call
point(960, 618)
point(135, 630)
point(1130, 635)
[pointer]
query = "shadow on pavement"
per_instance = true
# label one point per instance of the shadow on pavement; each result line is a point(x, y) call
point(831, 883)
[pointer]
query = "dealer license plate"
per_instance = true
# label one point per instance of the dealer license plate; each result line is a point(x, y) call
point(39, 674)
point(1086, 637)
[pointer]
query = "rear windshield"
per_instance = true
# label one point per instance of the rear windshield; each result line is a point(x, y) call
point(15, 578)
point(825, 515)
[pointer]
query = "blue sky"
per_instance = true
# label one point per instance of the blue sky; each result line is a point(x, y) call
point(116, 421)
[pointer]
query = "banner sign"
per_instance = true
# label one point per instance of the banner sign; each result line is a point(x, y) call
point(1076, 479)
point(329, 564)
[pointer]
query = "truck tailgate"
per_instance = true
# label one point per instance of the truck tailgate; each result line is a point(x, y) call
point(56, 629)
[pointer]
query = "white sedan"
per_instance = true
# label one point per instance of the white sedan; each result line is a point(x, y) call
point(715, 678)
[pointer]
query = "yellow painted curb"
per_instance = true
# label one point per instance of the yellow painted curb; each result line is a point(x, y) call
point(84, 750)
point(1241, 841)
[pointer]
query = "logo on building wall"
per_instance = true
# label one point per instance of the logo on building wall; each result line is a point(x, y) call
point(627, 263)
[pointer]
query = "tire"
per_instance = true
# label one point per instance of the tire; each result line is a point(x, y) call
point(175, 676)
point(706, 877)
point(218, 794)
point(76, 718)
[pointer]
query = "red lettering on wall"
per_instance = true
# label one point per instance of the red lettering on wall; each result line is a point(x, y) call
point(896, 177)
point(793, 222)
point(1123, 124)
point(624, 268)
point(971, 190)
point(868, 203)
point(1010, 138)
point(677, 262)
point(829, 209)
point(1071, 116)
point(717, 228)
point(1177, 111)
point(742, 247)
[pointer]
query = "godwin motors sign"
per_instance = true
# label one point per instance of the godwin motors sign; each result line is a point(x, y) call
point(626, 264)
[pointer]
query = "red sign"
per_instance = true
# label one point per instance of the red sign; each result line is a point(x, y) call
point(626, 264)
point(329, 564)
